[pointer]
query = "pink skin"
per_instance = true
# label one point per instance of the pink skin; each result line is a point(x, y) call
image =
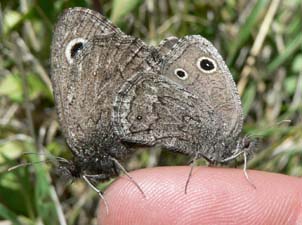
point(215, 196)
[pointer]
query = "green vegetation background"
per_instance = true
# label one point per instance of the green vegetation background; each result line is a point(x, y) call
point(261, 41)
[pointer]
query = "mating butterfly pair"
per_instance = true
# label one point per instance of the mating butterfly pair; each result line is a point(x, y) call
point(113, 92)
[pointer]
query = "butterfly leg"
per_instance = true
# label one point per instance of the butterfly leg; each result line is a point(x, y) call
point(245, 170)
point(192, 165)
point(244, 152)
point(247, 146)
point(86, 179)
point(117, 163)
point(97, 177)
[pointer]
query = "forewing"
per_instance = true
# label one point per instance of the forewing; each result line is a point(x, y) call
point(87, 76)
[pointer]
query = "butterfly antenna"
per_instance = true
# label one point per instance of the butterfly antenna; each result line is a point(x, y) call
point(25, 165)
point(97, 191)
point(47, 155)
point(283, 121)
point(272, 126)
point(128, 175)
point(41, 161)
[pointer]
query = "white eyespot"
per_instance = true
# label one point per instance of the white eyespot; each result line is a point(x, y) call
point(73, 48)
point(181, 74)
point(206, 64)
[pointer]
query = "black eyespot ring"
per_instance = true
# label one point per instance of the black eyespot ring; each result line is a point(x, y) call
point(206, 65)
point(73, 48)
point(139, 117)
point(77, 47)
point(181, 74)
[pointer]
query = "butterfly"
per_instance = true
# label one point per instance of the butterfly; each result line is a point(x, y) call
point(113, 93)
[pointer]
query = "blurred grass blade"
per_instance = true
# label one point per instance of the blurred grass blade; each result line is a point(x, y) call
point(246, 29)
point(10, 20)
point(45, 205)
point(11, 87)
point(9, 215)
point(120, 8)
point(248, 98)
point(292, 46)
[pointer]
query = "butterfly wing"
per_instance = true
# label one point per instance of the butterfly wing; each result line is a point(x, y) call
point(192, 107)
point(90, 60)
point(153, 110)
point(213, 83)
point(167, 44)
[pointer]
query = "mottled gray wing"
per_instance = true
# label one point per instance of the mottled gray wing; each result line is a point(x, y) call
point(153, 110)
point(192, 107)
point(90, 60)
point(195, 64)
point(167, 44)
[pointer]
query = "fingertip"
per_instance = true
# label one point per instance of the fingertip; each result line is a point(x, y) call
point(215, 195)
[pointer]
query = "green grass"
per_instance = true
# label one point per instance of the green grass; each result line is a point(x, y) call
point(270, 83)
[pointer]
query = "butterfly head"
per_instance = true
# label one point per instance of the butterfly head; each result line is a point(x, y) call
point(234, 148)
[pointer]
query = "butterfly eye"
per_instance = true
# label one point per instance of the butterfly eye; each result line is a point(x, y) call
point(181, 74)
point(73, 48)
point(206, 65)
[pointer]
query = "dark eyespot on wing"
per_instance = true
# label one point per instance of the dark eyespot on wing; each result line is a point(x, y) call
point(181, 73)
point(206, 64)
point(75, 49)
